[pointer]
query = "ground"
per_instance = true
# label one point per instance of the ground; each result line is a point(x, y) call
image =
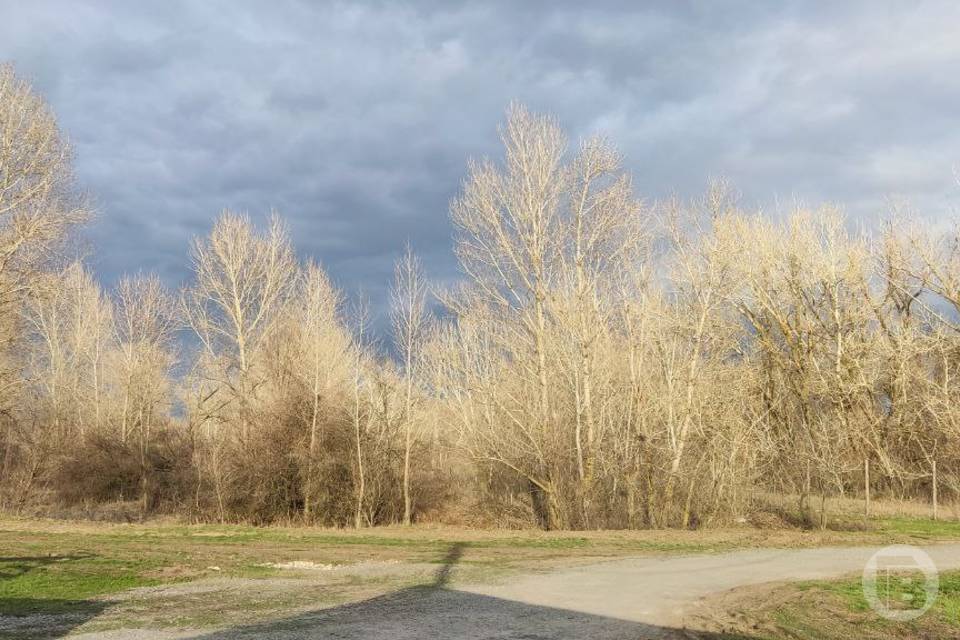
point(221, 582)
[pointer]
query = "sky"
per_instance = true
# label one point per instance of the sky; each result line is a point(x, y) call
point(355, 121)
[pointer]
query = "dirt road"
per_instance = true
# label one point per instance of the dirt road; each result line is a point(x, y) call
point(625, 598)
point(664, 591)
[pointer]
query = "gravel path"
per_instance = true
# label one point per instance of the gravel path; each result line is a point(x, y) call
point(664, 591)
point(626, 598)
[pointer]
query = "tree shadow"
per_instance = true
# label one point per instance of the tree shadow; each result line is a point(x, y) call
point(449, 562)
point(436, 611)
point(27, 617)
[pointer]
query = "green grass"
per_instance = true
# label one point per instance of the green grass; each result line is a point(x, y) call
point(922, 528)
point(43, 583)
point(219, 534)
point(838, 610)
point(849, 591)
point(949, 601)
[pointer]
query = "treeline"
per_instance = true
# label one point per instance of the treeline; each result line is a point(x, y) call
point(604, 362)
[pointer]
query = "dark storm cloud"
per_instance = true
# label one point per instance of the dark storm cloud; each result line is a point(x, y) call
point(355, 120)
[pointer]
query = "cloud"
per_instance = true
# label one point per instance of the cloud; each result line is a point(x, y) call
point(355, 121)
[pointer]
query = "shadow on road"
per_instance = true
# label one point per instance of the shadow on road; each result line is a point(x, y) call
point(436, 611)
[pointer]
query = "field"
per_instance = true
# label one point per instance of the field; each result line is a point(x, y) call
point(73, 577)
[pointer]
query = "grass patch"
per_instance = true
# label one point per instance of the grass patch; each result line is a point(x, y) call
point(838, 610)
point(921, 528)
point(56, 582)
point(946, 605)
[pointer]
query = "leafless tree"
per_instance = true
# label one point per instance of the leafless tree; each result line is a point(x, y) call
point(243, 279)
point(410, 326)
point(322, 362)
point(604, 362)
point(39, 206)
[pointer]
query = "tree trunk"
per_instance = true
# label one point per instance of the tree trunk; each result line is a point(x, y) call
point(866, 486)
point(537, 503)
point(407, 506)
point(935, 505)
point(308, 481)
point(407, 444)
point(358, 517)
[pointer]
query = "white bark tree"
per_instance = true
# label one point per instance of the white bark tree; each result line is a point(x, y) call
point(410, 326)
point(243, 281)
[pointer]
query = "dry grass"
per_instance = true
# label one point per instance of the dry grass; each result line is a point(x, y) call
point(853, 508)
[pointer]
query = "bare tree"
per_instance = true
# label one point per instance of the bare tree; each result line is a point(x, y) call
point(603, 363)
point(359, 361)
point(541, 240)
point(323, 358)
point(243, 282)
point(39, 206)
point(39, 203)
point(410, 325)
point(145, 323)
point(146, 319)
point(243, 279)
point(70, 322)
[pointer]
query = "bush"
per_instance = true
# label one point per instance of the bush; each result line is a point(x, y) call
point(104, 469)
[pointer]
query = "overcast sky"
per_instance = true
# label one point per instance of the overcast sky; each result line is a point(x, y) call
point(355, 121)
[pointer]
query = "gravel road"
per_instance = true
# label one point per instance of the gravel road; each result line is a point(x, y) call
point(664, 591)
point(624, 598)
